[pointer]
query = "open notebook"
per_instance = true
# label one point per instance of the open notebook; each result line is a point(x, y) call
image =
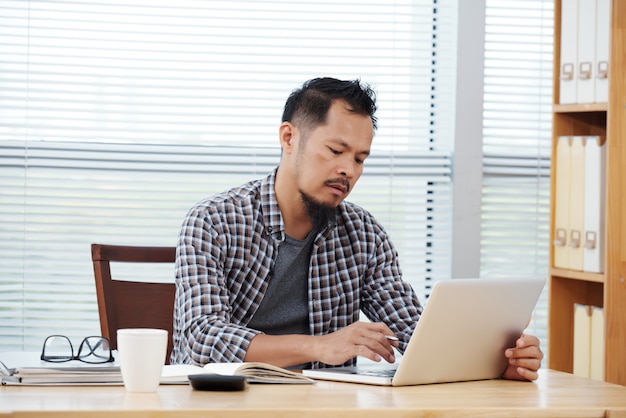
point(464, 330)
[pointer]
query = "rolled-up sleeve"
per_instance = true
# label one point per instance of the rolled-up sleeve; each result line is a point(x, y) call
point(204, 328)
point(386, 296)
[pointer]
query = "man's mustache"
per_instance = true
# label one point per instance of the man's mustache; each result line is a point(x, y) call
point(344, 183)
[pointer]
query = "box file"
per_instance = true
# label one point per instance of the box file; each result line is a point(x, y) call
point(588, 341)
point(596, 355)
point(579, 204)
point(569, 46)
point(584, 59)
point(594, 210)
point(586, 55)
point(582, 340)
point(562, 163)
point(576, 204)
point(603, 42)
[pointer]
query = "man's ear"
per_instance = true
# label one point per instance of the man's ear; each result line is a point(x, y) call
point(287, 135)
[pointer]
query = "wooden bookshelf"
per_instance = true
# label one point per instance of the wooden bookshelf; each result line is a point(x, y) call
point(607, 290)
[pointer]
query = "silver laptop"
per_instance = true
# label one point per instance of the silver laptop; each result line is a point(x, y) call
point(464, 330)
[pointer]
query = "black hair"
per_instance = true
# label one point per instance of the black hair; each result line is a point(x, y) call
point(308, 106)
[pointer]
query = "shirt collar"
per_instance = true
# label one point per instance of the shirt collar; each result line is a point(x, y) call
point(272, 217)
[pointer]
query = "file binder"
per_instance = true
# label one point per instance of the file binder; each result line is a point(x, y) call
point(586, 56)
point(582, 340)
point(562, 162)
point(588, 341)
point(569, 46)
point(576, 205)
point(603, 42)
point(595, 191)
point(596, 358)
point(585, 42)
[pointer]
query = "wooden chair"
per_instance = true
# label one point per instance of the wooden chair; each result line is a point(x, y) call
point(132, 304)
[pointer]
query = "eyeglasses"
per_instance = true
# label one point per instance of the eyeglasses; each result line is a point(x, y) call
point(59, 349)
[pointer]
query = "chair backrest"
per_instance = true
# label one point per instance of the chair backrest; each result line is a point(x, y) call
point(132, 304)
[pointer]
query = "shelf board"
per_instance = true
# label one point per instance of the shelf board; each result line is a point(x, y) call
point(577, 108)
point(577, 275)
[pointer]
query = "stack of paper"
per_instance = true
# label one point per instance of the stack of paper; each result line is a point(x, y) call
point(26, 368)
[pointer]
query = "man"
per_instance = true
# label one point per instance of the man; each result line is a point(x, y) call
point(278, 269)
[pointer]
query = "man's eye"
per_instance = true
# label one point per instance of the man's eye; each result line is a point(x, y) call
point(334, 151)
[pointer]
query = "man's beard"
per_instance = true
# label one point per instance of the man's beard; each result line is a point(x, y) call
point(318, 212)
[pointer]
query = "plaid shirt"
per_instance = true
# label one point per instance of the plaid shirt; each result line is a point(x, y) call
point(226, 251)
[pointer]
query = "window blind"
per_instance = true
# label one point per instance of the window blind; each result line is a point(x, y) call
point(117, 116)
point(516, 144)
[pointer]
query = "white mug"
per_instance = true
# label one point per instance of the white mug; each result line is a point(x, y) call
point(141, 353)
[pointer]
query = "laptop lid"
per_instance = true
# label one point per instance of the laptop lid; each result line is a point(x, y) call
point(462, 334)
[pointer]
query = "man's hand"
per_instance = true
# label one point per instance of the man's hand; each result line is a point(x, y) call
point(366, 339)
point(524, 359)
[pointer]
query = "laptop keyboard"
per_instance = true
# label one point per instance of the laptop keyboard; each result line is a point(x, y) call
point(376, 372)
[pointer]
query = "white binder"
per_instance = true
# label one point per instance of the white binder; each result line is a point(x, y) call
point(582, 340)
point(569, 46)
point(561, 192)
point(577, 205)
point(588, 341)
point(586, 54)
point(596, 357)
point(595, 197)
point(603, 42)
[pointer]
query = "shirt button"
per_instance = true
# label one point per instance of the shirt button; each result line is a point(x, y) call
point(270, 229)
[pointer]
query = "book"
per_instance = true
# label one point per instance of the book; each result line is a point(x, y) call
point(254, 372)
point(26, 368)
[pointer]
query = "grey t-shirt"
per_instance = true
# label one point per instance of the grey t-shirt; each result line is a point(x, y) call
point(284, 309)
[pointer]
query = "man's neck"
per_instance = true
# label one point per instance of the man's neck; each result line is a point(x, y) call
point(296, 220)
point(295, 217)
point(298, 231)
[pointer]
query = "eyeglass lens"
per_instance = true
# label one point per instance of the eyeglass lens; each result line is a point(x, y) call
point(57, 348)
point(94, 350)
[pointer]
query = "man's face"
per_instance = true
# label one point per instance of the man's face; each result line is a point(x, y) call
point(330, 157)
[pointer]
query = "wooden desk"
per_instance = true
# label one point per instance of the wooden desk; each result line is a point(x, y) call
point(555, 394)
